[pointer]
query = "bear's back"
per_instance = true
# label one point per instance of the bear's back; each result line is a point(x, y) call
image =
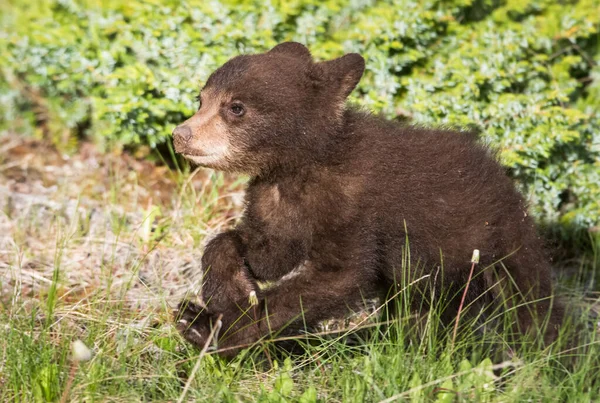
point(447, 188)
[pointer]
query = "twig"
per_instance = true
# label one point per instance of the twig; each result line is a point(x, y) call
point(80, 353)
point(202, 353)
point(474, 261)
point(591, 63)
point(72, 372)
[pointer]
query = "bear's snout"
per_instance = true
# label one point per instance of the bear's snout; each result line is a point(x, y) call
point(181, 136)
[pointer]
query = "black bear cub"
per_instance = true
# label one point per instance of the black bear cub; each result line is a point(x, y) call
point(334, 195)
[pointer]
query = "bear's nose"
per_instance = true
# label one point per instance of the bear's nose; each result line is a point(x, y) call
point(182, 133)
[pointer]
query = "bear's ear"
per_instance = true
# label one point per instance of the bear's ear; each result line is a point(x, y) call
point(294, 49)
point(340, 75)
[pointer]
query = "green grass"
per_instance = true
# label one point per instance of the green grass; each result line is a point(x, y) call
point(102, 258)
point(136, 362)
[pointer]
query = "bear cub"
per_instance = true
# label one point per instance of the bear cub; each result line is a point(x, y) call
point(342, 206)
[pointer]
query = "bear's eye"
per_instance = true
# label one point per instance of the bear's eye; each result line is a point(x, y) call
point(237, 109)
point(199, 100)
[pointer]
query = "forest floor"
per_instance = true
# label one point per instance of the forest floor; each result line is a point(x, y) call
point(101, 247)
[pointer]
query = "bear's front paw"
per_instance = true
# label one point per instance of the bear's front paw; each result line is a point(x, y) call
point(195, 323)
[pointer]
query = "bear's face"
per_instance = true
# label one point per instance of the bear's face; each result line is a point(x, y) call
point(258, 112)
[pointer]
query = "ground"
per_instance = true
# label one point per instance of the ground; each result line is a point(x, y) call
point(101, 247)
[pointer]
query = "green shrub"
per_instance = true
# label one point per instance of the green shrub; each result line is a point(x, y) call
point(524, 73)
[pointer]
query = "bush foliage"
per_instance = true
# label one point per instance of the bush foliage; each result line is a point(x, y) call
point(525, 73)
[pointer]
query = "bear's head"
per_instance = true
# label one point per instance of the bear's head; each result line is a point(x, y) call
point(276, 110)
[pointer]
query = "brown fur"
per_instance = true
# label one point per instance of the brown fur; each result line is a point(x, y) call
point(336, 192)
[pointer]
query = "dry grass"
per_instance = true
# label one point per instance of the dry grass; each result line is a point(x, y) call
point(104, 213)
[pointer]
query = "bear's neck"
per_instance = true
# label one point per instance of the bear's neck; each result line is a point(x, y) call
point(329, 147)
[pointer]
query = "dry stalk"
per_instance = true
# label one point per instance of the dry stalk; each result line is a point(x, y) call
point(474, 261)
point(215, 329)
